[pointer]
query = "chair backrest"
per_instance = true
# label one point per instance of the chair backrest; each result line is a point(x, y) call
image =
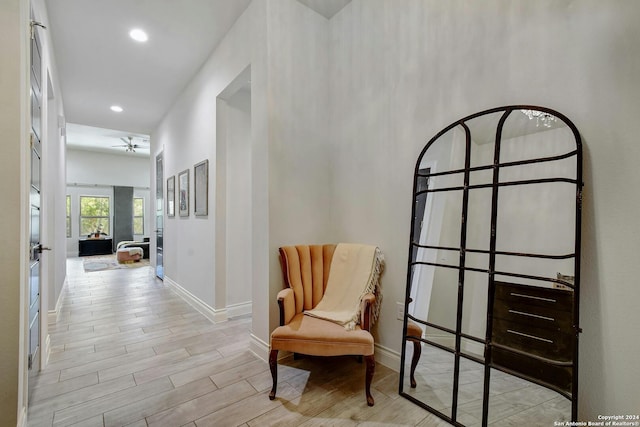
point(306, 271)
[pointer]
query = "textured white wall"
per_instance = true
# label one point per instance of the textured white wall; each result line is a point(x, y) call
point(401, 71)
point(300, 171)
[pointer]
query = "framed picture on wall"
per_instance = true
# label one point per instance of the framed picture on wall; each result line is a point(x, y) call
point(183, 193)
point(201, 188)
point(171, 196)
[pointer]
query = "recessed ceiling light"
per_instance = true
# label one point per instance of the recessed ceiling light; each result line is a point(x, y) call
point(138, 35)
point(117, 108)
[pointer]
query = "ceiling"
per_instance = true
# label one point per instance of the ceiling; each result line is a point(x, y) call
point(99, 65)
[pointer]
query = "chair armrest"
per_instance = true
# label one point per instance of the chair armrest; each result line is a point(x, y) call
point(366, 303)
point(287, 305)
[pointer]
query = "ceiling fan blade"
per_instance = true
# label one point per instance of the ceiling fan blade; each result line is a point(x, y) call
point(125, 141)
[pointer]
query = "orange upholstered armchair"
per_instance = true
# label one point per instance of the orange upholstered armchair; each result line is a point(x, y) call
point(306, 271)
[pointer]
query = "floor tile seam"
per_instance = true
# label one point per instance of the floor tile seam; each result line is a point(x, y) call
point(101, 338)
point(277, 402)
point(85, 355)
point(77, 367)
point(234, 366)
point(145, 360)
point(239, 398)
point(162, 396)
point(98, 334)
point(44, 401)
point(108, 396)
point(166, 336)
point(55, 407)
point(236, 380)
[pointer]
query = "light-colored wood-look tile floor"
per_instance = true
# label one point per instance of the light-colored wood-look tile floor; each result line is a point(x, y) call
point(127, 351)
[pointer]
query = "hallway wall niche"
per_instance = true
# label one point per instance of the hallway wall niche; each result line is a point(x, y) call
point(233, 198)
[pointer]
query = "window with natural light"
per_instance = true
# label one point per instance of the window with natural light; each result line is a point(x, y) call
point(138, 215)
point(94, 215)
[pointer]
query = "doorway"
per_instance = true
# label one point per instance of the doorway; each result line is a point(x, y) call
point(160, 216)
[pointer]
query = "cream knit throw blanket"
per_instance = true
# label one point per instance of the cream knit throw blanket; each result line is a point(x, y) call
point(355, 271)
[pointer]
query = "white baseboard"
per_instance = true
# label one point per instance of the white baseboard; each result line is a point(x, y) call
point(216, 316)
point(52, 315)
point(240, 309)
point(387, 357)
point(259, 348)
point(22, 417)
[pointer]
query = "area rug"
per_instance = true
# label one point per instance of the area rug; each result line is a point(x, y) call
point(109, 262)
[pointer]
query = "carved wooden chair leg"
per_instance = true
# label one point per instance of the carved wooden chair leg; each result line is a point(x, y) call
point(370, 369)
point(417, 351)
point(273, 365)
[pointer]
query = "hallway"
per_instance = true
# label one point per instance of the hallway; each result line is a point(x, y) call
point(126, 350)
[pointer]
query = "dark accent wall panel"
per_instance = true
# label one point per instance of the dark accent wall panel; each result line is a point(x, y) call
point(122, 214)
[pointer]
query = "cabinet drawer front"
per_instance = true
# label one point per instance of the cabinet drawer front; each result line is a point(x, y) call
point(559, 377)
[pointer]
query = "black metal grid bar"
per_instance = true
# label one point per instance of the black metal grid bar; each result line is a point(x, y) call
point(483, 251)
point(500, 184)
point(503, 165)
point(492, 266)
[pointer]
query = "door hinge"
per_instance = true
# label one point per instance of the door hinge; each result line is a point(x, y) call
point(30, 361)
point(34, 24)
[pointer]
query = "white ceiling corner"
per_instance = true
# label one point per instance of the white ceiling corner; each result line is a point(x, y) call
point(326, 8)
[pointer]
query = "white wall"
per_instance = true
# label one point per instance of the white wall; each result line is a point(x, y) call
point(92, 167)
point(300, 169)
point(400, 73)
point(289, 193)
point(91, 173)
point(187, 135)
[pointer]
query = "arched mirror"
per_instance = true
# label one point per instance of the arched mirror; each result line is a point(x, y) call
point(491, 324)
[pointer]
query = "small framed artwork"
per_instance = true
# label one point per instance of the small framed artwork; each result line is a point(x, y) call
point(171, 196)
point(201, 188)
point(183, 193)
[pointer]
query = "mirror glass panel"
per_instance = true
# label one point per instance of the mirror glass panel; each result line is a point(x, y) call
point(470, 393)
point(433, 377)
point(491, 321)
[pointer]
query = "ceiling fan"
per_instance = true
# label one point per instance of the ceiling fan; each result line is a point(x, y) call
point(128, 145)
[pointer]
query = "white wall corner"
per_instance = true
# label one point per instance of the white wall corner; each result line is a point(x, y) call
point(387, 357)
point(216, 316)
point(259, 348)
point(240, 309)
